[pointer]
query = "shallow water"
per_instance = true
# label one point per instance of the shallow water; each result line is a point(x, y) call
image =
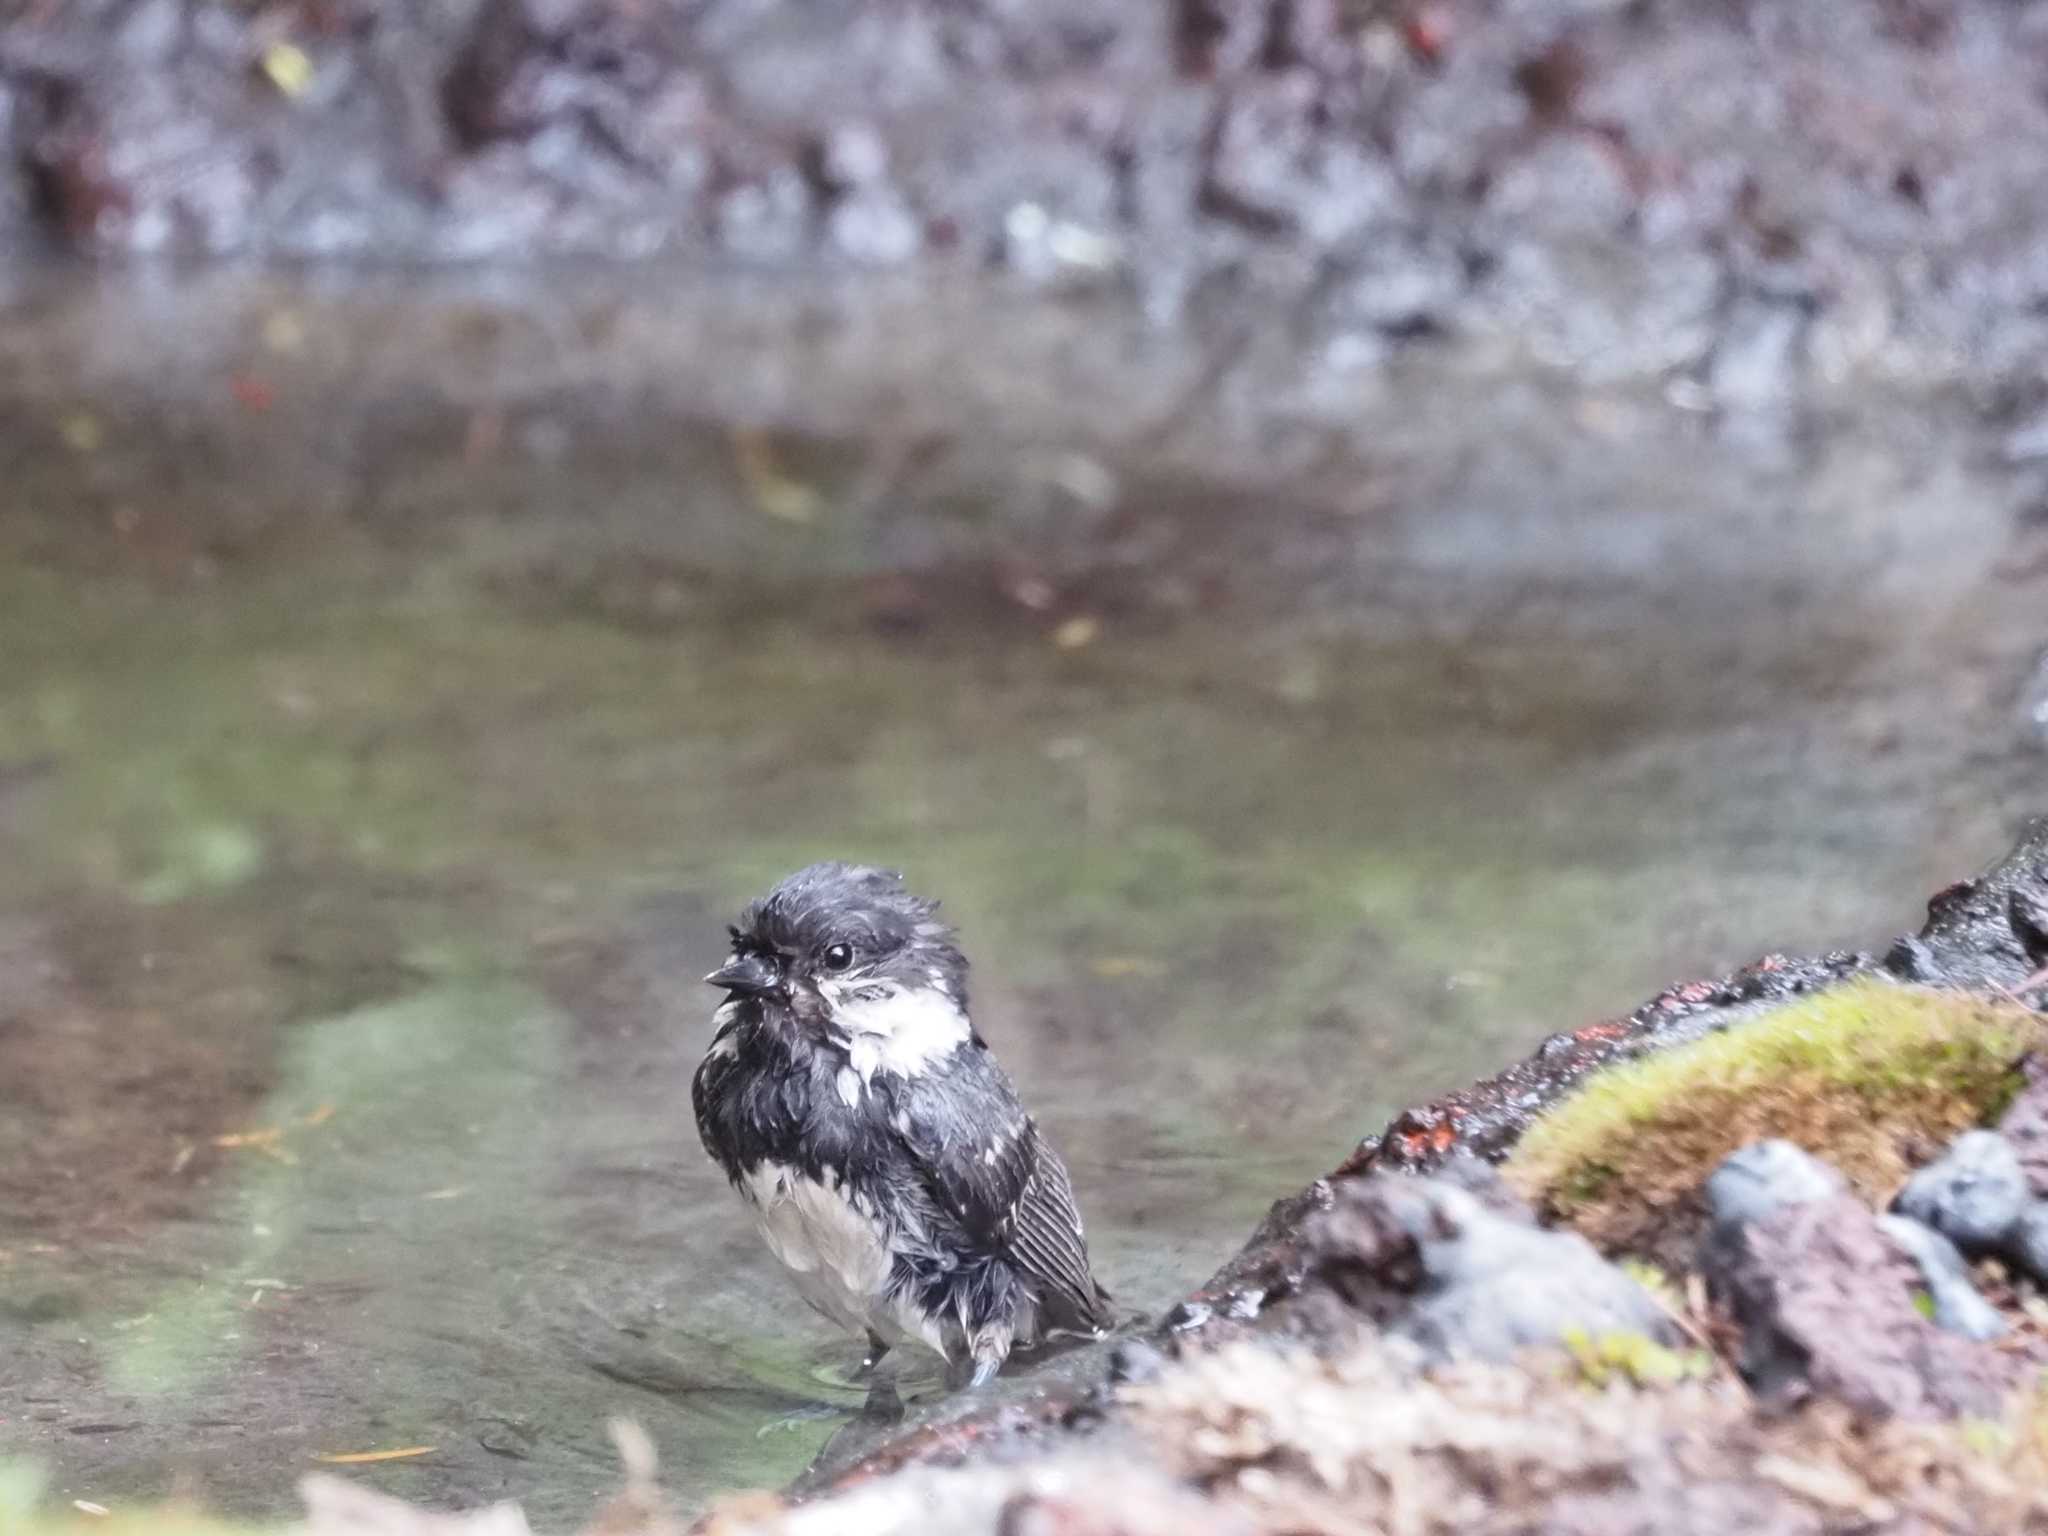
point(356, 874)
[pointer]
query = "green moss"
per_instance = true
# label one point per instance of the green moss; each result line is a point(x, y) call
point(1633, 1357)
point(1654, 1280)
point(1851, 1073)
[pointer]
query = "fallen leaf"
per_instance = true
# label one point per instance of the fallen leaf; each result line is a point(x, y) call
point(81, 431)
point(288, 67)
point(1076, 633)
point(773, 489)
point(269, 1135)
point(269, 1141)
point(363, 1458)
point(283, 331)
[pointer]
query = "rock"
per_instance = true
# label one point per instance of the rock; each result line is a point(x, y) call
point(1764, 1178)
point(1824, 1298)
point(1958, 1305)
point(1970, 938)
point(1972, 1195)
point(2034, 704)
point(2028, 1245)
point(874, 228)
point(1431, 1263)
point(1134, 1361)
point(2025, 1127)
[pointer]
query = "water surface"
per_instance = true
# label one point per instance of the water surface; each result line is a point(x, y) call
point(357, 870)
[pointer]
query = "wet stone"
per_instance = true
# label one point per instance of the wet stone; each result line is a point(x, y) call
point(1436, 1266)
point(1756, 365)
point(1764, 1178)
point(1958, 1305)
point(1402, 288)
point(1824, 1296)
point(766, 220)
point(2034, 703)
point(2028, 1245)
point(1275, 174)
point(2025, 1128)
point(874, 228)
point(1973, 1195)
point(1135, 1360)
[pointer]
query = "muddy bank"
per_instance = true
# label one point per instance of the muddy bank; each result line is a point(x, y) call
point(1845, 188)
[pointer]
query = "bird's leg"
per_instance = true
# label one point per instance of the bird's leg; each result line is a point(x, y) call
point(877, 1347)
point(985, 1368)
point(884, 1403)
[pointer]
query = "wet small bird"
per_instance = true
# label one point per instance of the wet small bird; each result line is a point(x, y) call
point(874, 1136)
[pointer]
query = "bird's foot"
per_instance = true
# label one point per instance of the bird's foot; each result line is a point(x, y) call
point(877, 1347)
point(884, 1404)
point(972, 1373)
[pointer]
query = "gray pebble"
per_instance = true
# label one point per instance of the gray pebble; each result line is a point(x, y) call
point(1958, 1306)
point(1764, 1177)
point(2027, 1244)
point(1497, 1285)
point(1972, 1195)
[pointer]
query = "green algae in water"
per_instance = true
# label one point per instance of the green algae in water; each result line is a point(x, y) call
point(377, 1108)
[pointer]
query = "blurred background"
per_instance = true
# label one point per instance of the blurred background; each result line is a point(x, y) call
point(1337, 536)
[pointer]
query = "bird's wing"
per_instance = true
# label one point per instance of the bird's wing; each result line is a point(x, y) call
point(1049, 1240)
point(986, 1162)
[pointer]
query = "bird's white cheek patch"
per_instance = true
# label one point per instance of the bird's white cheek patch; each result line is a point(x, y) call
point(900, 1033)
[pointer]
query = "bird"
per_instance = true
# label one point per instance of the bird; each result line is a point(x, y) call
point(877, 1142)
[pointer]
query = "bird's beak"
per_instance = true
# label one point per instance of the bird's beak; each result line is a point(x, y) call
point(749, 975)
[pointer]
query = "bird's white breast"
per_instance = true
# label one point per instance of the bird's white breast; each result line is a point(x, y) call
point(835, 1247)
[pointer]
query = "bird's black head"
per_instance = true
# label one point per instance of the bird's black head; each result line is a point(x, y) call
point(833, 932)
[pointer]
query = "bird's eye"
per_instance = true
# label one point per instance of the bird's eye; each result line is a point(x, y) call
point(838, 957)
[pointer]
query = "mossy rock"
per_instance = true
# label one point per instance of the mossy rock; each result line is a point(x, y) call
point(1865, 1075)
